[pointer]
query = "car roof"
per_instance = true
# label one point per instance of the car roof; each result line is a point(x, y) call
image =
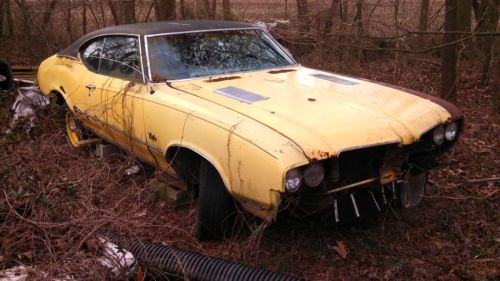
point(159, 27)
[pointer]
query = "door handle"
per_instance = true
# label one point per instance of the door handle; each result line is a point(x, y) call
point(90, 87)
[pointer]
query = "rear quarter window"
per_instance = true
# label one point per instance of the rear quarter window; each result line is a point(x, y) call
point(91, 54)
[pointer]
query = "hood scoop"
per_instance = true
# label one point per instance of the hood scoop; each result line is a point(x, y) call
point(335, 79)
point(240, 94)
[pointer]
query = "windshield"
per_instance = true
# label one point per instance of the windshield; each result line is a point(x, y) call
point(191, 55)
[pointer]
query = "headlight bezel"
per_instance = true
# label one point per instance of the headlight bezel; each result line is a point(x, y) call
point(293, 180)
point(309, 173)
point(451, 131)
point(438, 135)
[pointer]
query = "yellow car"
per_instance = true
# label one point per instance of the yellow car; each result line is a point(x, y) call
point(229, 109)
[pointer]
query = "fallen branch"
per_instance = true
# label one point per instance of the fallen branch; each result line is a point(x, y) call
point(485, 179)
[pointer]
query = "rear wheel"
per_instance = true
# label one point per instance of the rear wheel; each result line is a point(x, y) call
point(216, 207)
point(74, 130)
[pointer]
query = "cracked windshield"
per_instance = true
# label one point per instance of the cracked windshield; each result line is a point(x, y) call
point(192, 55)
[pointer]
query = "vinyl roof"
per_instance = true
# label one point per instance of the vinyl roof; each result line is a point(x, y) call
point(149, 28)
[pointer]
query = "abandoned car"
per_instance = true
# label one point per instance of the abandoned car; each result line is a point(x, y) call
point(226, 107)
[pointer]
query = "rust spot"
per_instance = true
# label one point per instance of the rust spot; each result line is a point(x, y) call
point(210, 80)
point(311, 99)
point(158, 79)
point(281, 71)
point(317, 154)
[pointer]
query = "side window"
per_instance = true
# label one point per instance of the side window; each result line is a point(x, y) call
point(120, 58)
point(91, 54)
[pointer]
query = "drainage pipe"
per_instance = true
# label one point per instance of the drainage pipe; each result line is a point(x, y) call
point(191, 265)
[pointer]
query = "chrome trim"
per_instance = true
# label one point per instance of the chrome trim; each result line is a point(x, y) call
point(78, 56)
point(367, 146)
point(354, 204)
point(201, 30)
point(142, 62)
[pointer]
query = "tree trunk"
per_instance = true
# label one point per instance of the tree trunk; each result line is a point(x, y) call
point(2, 13)
point(183, 9)
point(103, 15)
point(48, 13)
point(424, 15)
point(449, 53)
point(213, 14)
point(334, 12)
point(114, 12)
point(302, 15)
point(464, 12)
point(68, 22)
point(226, 10)
point(128, 12)
point(166, 10)
point(495, 81)
point(487, 19)
point(359, 18)
point(9, 23)
point(84, 18)
point(206, 8)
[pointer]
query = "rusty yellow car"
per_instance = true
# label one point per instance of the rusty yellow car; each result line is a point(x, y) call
point(227, 108)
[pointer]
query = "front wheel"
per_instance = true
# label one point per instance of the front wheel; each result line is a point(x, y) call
point(216, 207)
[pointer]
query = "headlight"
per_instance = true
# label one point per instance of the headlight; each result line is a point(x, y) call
point(314, 174)
point(451, 131)
point(438, 135)
point(293, 180)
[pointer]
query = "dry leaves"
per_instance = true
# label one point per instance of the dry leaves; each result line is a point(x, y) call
point(340, 248)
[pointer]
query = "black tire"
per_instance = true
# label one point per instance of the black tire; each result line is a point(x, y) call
point(216, 208)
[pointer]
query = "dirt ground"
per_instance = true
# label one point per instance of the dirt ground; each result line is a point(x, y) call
point(53, 200)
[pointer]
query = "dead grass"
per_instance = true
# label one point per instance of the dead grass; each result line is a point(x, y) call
point(54, 199)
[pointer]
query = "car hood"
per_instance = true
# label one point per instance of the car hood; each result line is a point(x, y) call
point(323, 113)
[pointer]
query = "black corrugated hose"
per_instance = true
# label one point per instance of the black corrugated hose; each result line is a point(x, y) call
point(163, 260)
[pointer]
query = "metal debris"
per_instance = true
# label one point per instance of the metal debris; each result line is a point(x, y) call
point(119, 262)
point(132, 170)
point(28, 101)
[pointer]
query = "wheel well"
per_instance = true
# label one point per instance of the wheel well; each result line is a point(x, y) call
point(186, 161)
point(57, 97)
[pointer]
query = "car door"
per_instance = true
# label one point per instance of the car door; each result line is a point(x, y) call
point(86, 97)
point(122, 81)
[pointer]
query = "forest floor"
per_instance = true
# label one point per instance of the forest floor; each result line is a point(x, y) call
point(53, 199)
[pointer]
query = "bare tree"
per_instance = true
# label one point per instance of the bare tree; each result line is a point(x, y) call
point(226, 10)
point(464, 11)
point(129, 11)
point(302, 15)
point(424, 15)
point(206, 8)
point(68, 22)
point(84, 17)
point(47, 15)
point(486, 13)
point(359, 17)
point(123, 12)
point(449, 52)
point(214, 9)
point(334, 12)
point(165, 10)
